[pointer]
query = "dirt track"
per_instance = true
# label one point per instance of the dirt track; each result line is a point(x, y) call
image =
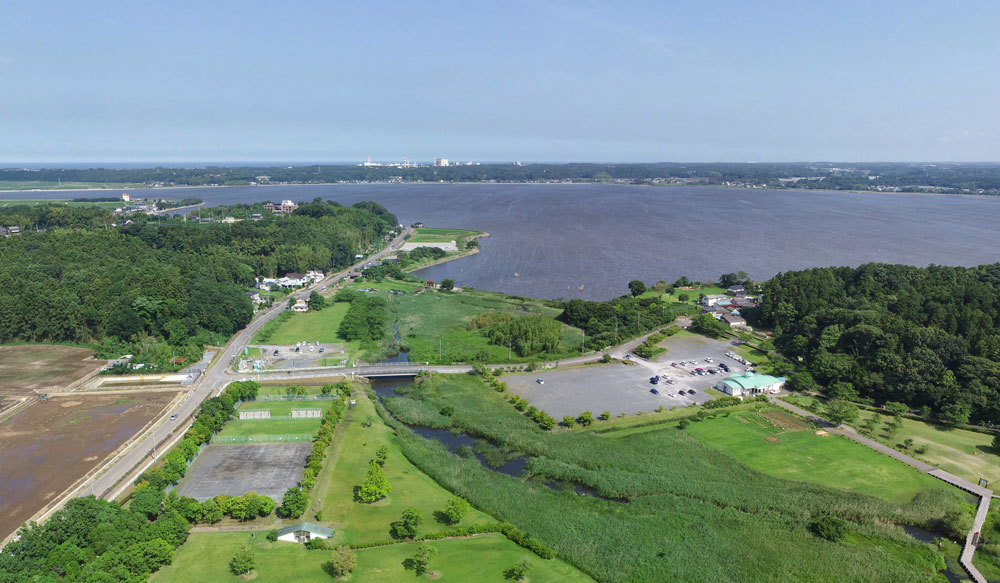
point(52, 444)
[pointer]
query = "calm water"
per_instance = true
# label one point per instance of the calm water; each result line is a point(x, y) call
point(558, 238)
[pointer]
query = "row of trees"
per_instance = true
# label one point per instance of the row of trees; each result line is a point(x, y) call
point(607, 323)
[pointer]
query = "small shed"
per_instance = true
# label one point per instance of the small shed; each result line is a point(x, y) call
point(303, 532)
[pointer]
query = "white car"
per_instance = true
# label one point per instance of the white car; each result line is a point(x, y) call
point(540, 381)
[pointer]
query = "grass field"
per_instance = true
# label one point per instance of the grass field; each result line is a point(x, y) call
point(429, 235)
point(693, 512)
point(964, 453)
point(205, 557)
point(433, 325)
point(355, 522)
point(802, 455)
point(277, 426)
point(313, 326)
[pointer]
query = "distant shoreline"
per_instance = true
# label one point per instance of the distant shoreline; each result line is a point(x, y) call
point(705, 186)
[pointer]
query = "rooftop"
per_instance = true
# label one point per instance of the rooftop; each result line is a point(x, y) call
point(308, 526)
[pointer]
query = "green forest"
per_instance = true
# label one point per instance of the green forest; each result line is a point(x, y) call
point(160, 290)
point(927, 337)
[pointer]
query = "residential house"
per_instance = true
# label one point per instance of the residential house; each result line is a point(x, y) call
point(267, 282)
point(750, 384)
point(303, 532)
point(734, 320)
point(255, 297)
point(286, 207)
point(256, 217)
point(13, 230)
point(300, 306)
point(712, 299)
point(314, 275)
point(736, 290)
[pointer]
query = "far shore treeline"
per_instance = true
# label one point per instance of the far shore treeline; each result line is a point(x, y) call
point(951, 178)
point(161, 289)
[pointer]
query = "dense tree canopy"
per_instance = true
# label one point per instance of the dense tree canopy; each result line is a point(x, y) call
point(920, 336)
point(146, 284)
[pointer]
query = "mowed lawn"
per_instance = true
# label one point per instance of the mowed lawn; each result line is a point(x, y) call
point(964, 453)
point(204, 558)
point(355, 522)
point(802, 455)
point(275, 426)
point(313, 326)
point(431, 235)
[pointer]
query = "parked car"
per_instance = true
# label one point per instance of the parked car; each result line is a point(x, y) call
point(322, 349)
point(712, 371)
point(275, 352)
point(654, 391)
point(724, 366)
point(671, 381)
point(540, 381)
point(654, 380)
point(709, 360)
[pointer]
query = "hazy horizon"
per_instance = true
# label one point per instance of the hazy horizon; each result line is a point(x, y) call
point(524, 81)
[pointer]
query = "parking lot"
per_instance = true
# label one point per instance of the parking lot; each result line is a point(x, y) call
point(283, 357)
point(620, 388)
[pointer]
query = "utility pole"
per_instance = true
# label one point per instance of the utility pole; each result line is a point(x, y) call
point(582, 341)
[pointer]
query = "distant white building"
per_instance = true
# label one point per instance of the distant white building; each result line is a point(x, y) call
point(300, 306)
point(440, 161)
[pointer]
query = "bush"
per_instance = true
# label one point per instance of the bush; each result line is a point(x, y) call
point(406, 526)
point(828, 527)
point(521, 539)
point(272, 536)
point(293, 503)
point(243, 561)
point(342, 562)
point(456, 510)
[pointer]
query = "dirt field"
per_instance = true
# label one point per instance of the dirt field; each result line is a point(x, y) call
point(42, 366)
point(50, 445)
point(267, 469)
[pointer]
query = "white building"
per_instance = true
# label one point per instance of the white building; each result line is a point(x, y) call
point(750, 384)
point(440, 161)
point(300, 306)
point(303, 532)
point(712, 299)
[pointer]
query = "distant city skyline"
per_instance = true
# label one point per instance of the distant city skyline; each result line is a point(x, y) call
point(545, 81)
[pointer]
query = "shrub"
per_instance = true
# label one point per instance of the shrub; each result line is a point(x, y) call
point(342, 562)
point(828, 527)
point(604, 416)
point(456, 510)
point(406, 526)
point(243, 561)
point(272, 535)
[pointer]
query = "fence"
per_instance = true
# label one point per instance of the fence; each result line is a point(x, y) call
point(238, 439)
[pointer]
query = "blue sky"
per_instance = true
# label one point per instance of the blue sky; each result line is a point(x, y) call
point(499, 81)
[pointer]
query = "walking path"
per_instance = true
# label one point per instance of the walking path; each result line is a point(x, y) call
point(984, 494)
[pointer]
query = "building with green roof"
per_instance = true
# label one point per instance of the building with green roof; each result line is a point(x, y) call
point(750, 384)
point(303, 532)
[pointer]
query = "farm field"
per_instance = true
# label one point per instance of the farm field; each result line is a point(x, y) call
point(50, 445)
point(354, 522)
point(683, 497)
point(204, 559)
point(792, 450)
point(29, 367)
point(964, 453)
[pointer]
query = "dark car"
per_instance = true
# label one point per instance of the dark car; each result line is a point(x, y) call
point(724, 366)
point(654, 380)
point(276, 352)
point(691, 391)
point(654, 391)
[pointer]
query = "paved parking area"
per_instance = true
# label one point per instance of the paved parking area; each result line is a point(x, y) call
point(267, 469)
point(620, 388)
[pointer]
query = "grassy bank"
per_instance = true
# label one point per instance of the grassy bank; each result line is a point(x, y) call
point(204, 559)
point(693, 512)
point(794, 451)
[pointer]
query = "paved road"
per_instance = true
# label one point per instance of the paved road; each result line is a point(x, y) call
point(984, 494)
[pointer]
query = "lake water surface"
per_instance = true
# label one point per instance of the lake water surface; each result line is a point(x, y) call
point(589, 240)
